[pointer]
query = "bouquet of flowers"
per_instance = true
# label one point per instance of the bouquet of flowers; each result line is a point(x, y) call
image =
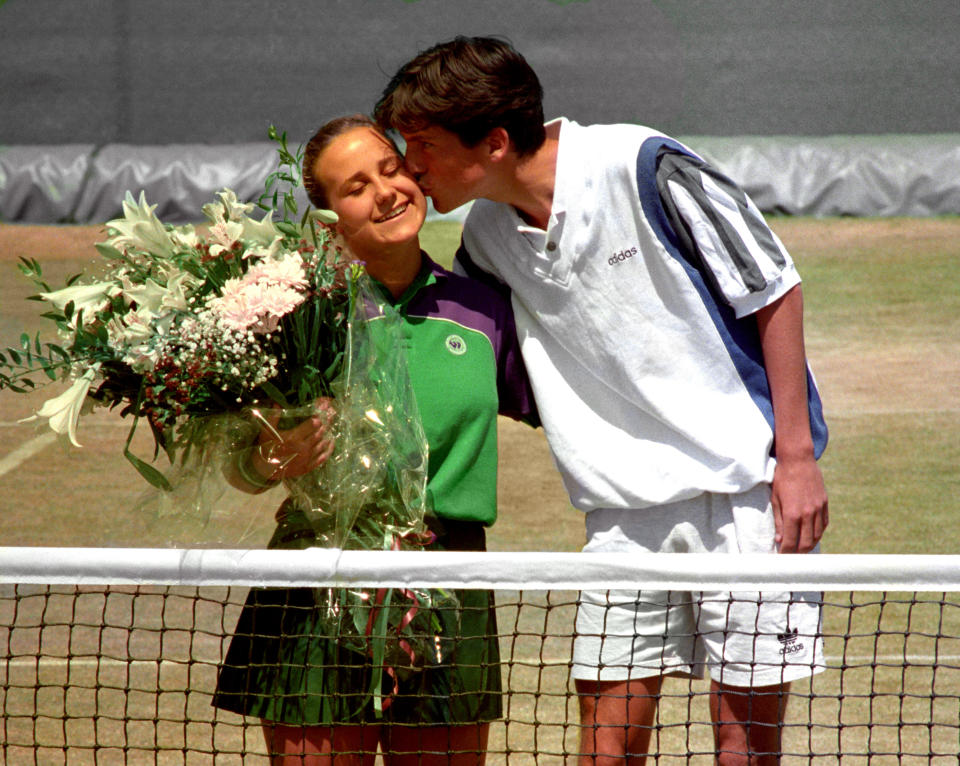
point(210, 335)
point(185, 325)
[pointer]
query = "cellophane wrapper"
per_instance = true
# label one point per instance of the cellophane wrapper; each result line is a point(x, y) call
point(369, 495)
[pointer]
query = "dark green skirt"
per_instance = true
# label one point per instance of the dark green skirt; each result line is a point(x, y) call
point(284, 666)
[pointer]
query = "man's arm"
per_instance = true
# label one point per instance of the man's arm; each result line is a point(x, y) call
point(799, 496)
point(743, 259)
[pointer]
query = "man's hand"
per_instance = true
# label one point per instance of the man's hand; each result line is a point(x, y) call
point(800, 507)
point(798, 495)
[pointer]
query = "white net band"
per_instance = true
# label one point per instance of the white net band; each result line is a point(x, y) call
point(533, 571)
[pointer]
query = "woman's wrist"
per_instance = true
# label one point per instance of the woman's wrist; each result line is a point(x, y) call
point(255, 470)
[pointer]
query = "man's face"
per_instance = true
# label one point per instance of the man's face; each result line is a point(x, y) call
point(448, 172)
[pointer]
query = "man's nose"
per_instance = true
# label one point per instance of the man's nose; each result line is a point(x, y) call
point(413, 162)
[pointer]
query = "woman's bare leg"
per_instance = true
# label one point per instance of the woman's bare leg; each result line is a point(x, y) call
point(321, 745)
point(436, 745)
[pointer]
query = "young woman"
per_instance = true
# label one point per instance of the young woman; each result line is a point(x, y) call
point(465, 368)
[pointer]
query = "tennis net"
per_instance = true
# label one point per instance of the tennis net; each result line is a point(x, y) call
point(112, 656)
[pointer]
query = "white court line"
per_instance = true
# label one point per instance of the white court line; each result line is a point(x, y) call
point(26, 451)
point(30, 448)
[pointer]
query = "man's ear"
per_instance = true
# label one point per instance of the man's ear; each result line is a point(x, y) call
point(498, 144)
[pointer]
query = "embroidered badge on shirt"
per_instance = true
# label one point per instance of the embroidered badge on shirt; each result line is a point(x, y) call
point(456, 345)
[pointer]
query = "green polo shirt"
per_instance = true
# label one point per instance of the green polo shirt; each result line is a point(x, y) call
point(465, 367)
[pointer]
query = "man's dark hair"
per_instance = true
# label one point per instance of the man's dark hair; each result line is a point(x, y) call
point(469, 86)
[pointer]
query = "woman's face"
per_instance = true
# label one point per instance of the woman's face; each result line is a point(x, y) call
point(368, 187)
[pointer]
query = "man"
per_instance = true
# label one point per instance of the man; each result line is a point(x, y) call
point(661, 323)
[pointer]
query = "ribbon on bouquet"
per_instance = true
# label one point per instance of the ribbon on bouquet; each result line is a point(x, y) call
point(381, 704)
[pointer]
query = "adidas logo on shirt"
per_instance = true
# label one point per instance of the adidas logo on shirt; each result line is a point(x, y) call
point(622, 256)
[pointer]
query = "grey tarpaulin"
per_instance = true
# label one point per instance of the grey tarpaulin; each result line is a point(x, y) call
point(843, 175)
point(819, 176)
point(86, 184)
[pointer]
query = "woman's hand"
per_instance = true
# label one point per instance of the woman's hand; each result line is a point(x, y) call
point(292, 452)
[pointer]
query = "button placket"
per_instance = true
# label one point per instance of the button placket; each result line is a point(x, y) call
point(557, 267)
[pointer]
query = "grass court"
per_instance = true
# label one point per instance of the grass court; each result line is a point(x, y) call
point(883, 338)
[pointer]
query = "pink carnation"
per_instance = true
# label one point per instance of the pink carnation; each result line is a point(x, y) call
point(238, 313)
point(287, 272)
point(256, 307)
point(279, 301)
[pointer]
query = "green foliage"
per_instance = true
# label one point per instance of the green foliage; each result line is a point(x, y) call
point(33, 363)
point(278, 194)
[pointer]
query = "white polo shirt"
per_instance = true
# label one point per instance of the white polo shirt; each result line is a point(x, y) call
point(631, 314)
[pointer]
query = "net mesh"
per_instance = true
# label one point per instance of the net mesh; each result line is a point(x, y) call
point(112, 657)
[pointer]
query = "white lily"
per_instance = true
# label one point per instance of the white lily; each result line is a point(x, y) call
point(262, 232)
point(226, 234)
point(147, 295)
point(142, 358)
point(177, 287)
point(134, 328)
point(315, 216)
point(185, 237)
point(229, 205)
point(152, 297)
point(64, 411)
point(86, 298)
point(321, 215)
point(140, 228)
point(267, 251)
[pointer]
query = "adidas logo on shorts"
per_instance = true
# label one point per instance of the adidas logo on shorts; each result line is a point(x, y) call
point(789, 642)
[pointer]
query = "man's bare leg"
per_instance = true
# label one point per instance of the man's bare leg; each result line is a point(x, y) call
point(747, 723)
point(616, 719)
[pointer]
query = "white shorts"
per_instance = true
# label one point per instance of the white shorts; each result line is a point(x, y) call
point(744, 638)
